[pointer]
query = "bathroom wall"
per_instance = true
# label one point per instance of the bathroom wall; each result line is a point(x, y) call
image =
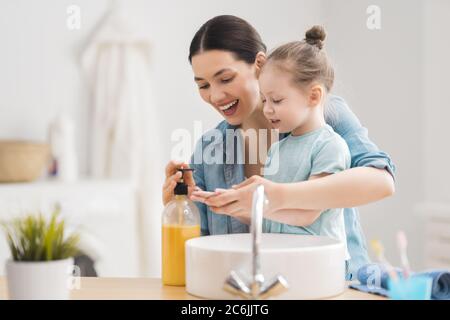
point(436, 101)
point(39, 73)
point(379, 73)
point(393, 78)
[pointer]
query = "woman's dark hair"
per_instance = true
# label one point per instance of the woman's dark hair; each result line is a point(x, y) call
point(228, 33)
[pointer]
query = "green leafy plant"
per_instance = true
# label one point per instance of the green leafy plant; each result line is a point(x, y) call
point(35, 238)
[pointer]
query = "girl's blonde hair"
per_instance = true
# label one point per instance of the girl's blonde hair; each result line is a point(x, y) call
point(305, 60)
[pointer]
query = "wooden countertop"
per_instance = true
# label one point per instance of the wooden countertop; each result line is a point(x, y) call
point(150, 289)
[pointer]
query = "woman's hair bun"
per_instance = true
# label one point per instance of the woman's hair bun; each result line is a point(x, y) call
point(315, 36)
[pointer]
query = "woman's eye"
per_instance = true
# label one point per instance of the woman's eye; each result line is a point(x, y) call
point(227, 80)
point(205, 86)
point(263, 101)
point(277, 101)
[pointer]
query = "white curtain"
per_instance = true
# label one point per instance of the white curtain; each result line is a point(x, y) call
point(125, 135)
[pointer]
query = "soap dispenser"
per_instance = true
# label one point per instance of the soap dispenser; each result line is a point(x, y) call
point(180, 222)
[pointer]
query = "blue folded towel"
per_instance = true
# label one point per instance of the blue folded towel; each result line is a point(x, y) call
point(440, 288)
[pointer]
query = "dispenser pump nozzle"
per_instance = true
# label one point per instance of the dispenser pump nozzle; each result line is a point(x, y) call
point(181, 187)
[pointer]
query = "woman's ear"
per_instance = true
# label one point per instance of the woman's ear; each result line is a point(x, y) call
point(316, 95)
point(260, 60)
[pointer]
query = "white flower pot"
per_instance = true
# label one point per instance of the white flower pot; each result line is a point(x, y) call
point(43, 280)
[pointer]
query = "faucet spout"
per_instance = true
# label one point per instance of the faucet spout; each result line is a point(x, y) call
point(257, 288)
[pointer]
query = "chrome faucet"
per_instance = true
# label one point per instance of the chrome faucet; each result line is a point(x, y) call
point(256, 288)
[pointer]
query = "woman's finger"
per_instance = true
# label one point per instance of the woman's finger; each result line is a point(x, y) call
point(191, 189)
point(220, 190)
point(230, 209)
point(188, 177)
point(198, 199)
point(222, 198)
point(174, 178)
point(173, 166)
point(169, 186)
point(203, 194)
point(168, 189)
point(245, 182)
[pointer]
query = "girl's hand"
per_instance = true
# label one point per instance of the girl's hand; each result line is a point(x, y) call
point(173, 176)
point(237, 202)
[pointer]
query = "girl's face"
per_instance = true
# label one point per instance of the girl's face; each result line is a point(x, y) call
point(229, 85)
point(284, 104)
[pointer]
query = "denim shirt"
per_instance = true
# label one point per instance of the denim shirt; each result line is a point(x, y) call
point(210, 174)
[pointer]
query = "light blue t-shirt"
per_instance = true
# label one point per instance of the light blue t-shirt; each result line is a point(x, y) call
point(295, 159)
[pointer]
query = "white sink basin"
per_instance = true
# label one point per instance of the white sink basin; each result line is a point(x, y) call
point(314, 267)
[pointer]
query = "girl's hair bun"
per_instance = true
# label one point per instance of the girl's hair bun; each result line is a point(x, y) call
point(315, 36)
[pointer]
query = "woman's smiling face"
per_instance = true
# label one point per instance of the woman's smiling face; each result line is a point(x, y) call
point(229, 85)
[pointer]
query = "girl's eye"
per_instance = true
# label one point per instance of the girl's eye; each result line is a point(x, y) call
point(206, 86)
point(277, 101)
point(263, 101)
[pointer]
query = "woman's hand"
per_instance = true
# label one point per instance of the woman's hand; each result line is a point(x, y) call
point(173, 176)
point(237, 202)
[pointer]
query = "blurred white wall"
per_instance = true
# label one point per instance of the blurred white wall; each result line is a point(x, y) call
point(436, 100)
point(379, 73)
point(394, 79)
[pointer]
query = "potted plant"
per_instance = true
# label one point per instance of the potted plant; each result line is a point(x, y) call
point(42, 257)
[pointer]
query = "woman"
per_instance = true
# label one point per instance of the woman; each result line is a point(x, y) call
point(226, 55)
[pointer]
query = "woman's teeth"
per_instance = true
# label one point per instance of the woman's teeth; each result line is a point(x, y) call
point(228, 106)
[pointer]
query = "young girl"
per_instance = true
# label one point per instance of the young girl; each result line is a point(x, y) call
point(294, 84)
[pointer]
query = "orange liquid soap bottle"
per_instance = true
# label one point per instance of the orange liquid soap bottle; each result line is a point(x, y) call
point(180, 222)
